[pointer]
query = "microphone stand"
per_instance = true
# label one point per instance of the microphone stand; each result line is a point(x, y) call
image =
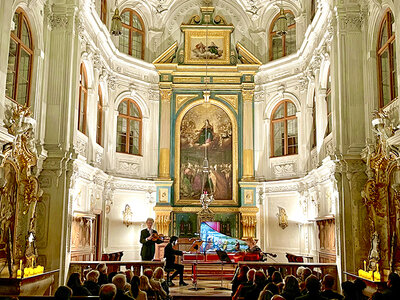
point(195, 287)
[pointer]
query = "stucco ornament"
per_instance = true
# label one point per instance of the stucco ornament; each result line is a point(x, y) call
point(282, 218)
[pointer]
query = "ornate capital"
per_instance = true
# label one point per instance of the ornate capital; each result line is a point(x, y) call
point(165, 95)
point(58, 21)
point(249, 221)
point(247, 95)
point(163, 219)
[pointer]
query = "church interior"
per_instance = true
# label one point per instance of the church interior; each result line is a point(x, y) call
point(274, 121)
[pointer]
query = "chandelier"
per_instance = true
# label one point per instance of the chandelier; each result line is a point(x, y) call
point(282, 22)
point(116, 22)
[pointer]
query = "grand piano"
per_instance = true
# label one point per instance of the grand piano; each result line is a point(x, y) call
point(212, 240)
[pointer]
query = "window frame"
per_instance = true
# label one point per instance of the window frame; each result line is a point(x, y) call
point(273, 33)
point(329, 110)
point(129, 117)
point(392, 64)
point(84, 88)
point(103, 11)
point(131, 29)
point(314, 122)
point(284, 119)
point(99, 124)
point(30, 51)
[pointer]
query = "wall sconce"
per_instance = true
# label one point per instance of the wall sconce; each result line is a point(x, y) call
point(282, 218)
point(127, 216)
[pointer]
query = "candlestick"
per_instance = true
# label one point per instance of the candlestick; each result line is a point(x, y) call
point(365, 265)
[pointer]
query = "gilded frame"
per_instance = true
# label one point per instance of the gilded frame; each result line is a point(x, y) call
point(209, 34)
point(225, 202)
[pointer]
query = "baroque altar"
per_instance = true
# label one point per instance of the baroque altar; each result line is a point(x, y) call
point(206, 97)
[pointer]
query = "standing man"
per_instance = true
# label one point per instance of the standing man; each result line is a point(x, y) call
point(169, 254)
point(148, 247)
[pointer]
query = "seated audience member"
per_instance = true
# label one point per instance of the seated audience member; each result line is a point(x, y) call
point(291, 288)
point(327, 288)
point(75, 283)
point(107, 291)
point(136, 293)
point(119, 281)
point(277, 297)
point(304, 275)
point(103, 279)
point(393, 284)
point(276, 277)
point(157, 283)
point(63, 293)
point(299, 272)
point(268, 292)
point(129, 275)
point(259, 284)
point(349, 290)
point(360, 286)
point(313, 287)
point(91, 282)
point(246, 286)
point(148, 273)
point(239, 277)
point(377, 296)
point(270, 271)
point(111, 276)
point(145, 286)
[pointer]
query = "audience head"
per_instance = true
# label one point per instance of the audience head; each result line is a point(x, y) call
point(349, 290)
point(107, 291)
point(158, 273)
point(270, 271)
point(359, 285)
point(291, 284)
point(306, 272)
point(328, 282)
point(119, 281)
point(259, 277)
point(393, 281)
point(148, 273)
point(277, 297)
point(276, 277)
point(250, 275)
point(129, 275)
point(144, 283)
point(93, 276)
point(111, 276)
point(135, 282)
point(377, 296)
point(299, 271)
point(272, 288)
point(63, 293)
point(243, 273)
point(74, 280)
point(312, 284)
point(102, 268)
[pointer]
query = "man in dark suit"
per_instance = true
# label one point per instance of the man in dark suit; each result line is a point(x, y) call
point(169, 255)
point(313, 287)
point(148, 245)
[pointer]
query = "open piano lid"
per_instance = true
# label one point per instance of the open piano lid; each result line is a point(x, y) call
point(214, 240)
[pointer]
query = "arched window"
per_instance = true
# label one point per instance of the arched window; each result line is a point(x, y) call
point(83, 93)
point(103, 11)
point(314, 123)
point(284, 129)
point(99, 128)
point(282, 45)
point(131, 41)
point(20, 60)
point(386, 55)
point(328, 100)
point(129, 127)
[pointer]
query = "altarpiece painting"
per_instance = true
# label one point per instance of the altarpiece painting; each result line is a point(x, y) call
point(204, 126)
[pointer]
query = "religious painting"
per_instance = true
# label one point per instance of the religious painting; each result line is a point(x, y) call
point(206, 139)
point(207, 46)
